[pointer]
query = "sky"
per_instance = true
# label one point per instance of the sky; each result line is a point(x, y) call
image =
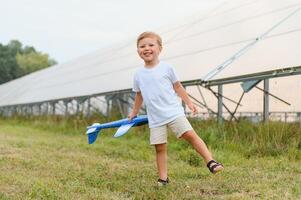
point(67, 29)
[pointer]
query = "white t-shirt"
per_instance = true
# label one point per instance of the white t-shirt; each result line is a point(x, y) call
point(156, 86)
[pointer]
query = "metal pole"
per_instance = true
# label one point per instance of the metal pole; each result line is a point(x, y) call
point(183, 103)
point(204, 100)
point(89, 107)
point(232, 114)
point(47, 107)
point(66, 108)
point(31, 109)
point(39, 109)
point(77, 106)
point(53, 108)
point(14, 110)
point(266, 101)
point(220, 104)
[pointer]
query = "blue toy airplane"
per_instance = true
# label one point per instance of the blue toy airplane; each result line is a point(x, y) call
point(123, 124)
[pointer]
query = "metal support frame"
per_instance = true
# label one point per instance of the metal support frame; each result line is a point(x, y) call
point(54, 108)
point(272, 95)
point(220, 104)
point(202, 105)
point(266, 100)
point(234, 112)
point(51, 105)
point(40, 111)
point(94, 107)
point(205, 103)
point(183, 102)
point(220, 95)
point(132, 97)
point(289, 71)
point(80, 101)
point(108, 107)
point(66, 108)
point(89, 107)
point(77, 106)
point(120, 107)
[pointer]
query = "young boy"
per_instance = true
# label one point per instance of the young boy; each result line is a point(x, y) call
point(157, 85)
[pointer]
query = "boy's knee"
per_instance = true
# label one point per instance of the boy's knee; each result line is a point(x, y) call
point(160, 147)
point(189, 135)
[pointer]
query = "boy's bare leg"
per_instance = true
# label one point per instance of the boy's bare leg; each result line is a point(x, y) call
point(198, 144)
point(161, 156)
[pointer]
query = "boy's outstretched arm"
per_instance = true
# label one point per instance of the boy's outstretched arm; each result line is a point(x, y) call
point(137, 104)
point(184, 96)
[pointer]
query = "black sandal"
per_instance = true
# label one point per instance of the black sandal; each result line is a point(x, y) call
point(212, 164)
point(163, 182)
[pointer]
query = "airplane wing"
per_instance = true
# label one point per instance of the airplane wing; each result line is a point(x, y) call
point(123, 129)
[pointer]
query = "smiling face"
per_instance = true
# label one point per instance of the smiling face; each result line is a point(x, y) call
point(149, 49)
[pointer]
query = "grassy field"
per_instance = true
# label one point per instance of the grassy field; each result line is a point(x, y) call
point(50, 159)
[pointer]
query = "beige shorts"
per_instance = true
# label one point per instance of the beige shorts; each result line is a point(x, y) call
point(179, 126)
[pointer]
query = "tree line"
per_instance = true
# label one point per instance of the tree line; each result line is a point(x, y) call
point(17, 60)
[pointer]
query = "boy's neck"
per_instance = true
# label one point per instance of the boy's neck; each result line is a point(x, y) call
point(151, 64)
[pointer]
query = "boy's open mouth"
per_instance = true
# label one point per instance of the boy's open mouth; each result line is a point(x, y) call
point(147, 54)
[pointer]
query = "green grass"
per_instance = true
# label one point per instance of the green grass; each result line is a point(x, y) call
point(49, 158)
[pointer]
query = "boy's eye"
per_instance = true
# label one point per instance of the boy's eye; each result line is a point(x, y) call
point(145, 45)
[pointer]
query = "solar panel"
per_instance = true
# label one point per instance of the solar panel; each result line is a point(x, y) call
point(194, 48)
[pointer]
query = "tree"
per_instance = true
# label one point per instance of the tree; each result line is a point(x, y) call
point(16, 60)
point(14, 46)
point(9, 68)
point(32, 61)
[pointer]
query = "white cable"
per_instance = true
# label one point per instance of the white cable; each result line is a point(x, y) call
point(226, 63)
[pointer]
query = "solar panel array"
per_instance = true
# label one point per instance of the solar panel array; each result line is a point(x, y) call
point(238, 36)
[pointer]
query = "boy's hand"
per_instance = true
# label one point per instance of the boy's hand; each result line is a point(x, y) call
point(131, 116)
point(193, 108)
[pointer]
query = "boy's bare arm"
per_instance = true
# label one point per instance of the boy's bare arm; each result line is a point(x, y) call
point(184, 96)
point(137, 104)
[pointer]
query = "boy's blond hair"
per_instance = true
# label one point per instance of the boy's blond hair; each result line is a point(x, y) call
point(151, 35)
